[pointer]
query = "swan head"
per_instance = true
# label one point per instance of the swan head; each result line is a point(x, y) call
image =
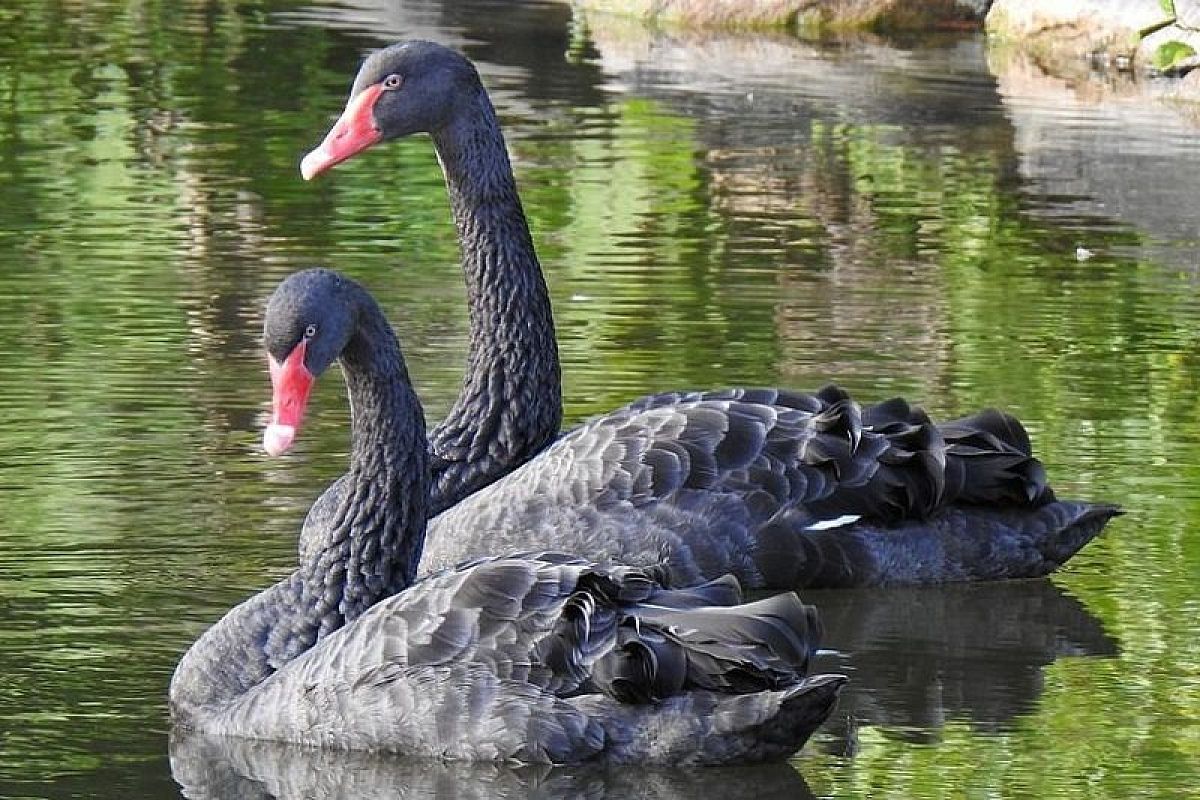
point(309, 321)
point(410, 87)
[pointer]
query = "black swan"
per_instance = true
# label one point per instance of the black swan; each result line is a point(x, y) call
point(540, 658)
point(783, 489)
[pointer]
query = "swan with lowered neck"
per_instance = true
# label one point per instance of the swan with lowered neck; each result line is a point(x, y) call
point(544, 658)
point(783, 489)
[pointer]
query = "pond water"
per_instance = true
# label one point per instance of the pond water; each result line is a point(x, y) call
point(898, 216)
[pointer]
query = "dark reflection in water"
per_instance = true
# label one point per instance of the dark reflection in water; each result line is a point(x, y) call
point(919, 657)
point(210, 768)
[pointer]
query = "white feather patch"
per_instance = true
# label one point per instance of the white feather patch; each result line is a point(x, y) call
point(836, 522)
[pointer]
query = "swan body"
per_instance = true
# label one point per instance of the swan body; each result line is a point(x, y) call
point(783, 489)
point(494, 662)
point(542, 657)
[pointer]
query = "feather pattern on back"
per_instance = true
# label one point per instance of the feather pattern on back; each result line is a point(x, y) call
point(504, 658)
point(782, 489)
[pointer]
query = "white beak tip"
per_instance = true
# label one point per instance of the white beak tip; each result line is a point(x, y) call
point(312, 164)
point(277, 439)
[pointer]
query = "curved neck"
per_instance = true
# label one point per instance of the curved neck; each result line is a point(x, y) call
point(361, 541)
point(510, 406)
point(375, 538)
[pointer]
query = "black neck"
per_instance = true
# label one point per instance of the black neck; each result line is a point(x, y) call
point(510, 406)
point(375, 540)
point(361, 541)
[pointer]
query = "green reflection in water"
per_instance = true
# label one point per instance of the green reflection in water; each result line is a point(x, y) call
point(643, 288)
point(1098, 358)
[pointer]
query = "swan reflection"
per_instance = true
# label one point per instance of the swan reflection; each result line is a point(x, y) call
point(918, 657)
point(222, 768)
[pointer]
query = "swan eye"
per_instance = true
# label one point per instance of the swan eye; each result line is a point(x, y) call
point(392, 81)
point(310, 331)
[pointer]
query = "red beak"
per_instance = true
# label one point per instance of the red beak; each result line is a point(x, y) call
point(291, 383)
point(354, 132)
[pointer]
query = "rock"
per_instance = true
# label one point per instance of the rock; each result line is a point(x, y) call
point(1083, 39)
point(1187, 13)
point(840, 14)
point(1108, 29)
point(1081, 27)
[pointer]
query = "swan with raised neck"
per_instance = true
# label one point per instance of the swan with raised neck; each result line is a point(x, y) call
point(510, 405)
point(784, 489)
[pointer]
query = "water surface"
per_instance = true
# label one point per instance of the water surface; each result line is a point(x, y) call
point(901, 217)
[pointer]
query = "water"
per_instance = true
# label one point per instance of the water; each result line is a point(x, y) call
point(900, 216)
